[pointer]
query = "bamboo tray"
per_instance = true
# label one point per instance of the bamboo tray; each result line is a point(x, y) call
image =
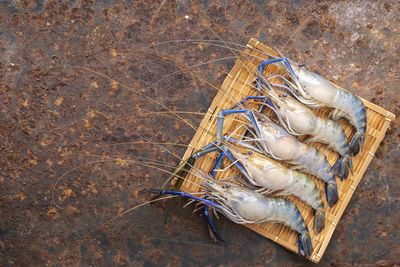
point(236, 87)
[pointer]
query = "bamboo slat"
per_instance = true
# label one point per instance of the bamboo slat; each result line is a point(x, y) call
point(236, 86)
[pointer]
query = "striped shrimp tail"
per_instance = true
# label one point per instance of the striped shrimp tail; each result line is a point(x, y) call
point(319, 221)
point(331, 191)
point(342, 166)
point(359, 119)
point(306, 190)
point(337, 168)
point(305, 244)
point(357, 143)
point(348, 163)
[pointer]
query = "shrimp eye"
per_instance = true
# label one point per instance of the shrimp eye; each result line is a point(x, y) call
point(250, 153)
point(284, 95)
point(227, 186)
point(262, 120)
point(301, 65)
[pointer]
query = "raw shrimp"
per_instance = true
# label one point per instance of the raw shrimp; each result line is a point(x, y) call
point(279, 144)
point(315, 91)
point(267, 173)
point(244, 206)
point(298, 119)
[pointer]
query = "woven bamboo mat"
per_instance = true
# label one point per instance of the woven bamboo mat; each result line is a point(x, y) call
point(236, 86)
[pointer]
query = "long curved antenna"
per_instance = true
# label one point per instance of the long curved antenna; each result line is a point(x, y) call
point(184, 194)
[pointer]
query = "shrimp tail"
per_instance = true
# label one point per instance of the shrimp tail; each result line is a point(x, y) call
point(319, 221)
point(357, 143)
point(337, 168)
point(332, 195)
point(305, 244)
point(342, 166)
point(344, 170)
point(350, 165)
point(347, 164)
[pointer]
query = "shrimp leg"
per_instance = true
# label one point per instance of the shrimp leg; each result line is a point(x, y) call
point(211, 223)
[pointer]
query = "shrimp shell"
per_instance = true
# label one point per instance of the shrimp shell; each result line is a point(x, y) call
point(283, 146)
point(346, 103)
point(242, 205)
point(300, 120)
point(267, 173)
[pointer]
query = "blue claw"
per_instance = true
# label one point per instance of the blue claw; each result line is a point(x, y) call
point(217, 164)
point(203, 200)
point(220, 120)
point(211, 223)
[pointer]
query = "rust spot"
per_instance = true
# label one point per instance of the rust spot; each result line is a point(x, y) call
point(52, 213)
point(59, 101)
point(45, 142)
point(312, 30)
point(20, 196)
point(121, 259)
point(87, 123)
point(387, 6)
point(73, 209)
point(360, 43)
point(49, 162)
point(356, 84)
point(120, 161)
point(292, 18)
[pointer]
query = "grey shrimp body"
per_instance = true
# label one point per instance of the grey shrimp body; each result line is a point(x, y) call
point(242, 206)
point(317, 91)
point(279, 144)
point(298, 119)
point(267, 173)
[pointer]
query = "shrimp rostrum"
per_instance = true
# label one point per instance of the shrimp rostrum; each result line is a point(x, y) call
point(315, 91)
point(244, 206)
point(269, 176)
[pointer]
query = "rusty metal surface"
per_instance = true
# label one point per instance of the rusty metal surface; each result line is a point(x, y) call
point(71, 72)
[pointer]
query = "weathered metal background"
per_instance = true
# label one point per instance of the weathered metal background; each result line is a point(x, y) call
point(70, 76)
